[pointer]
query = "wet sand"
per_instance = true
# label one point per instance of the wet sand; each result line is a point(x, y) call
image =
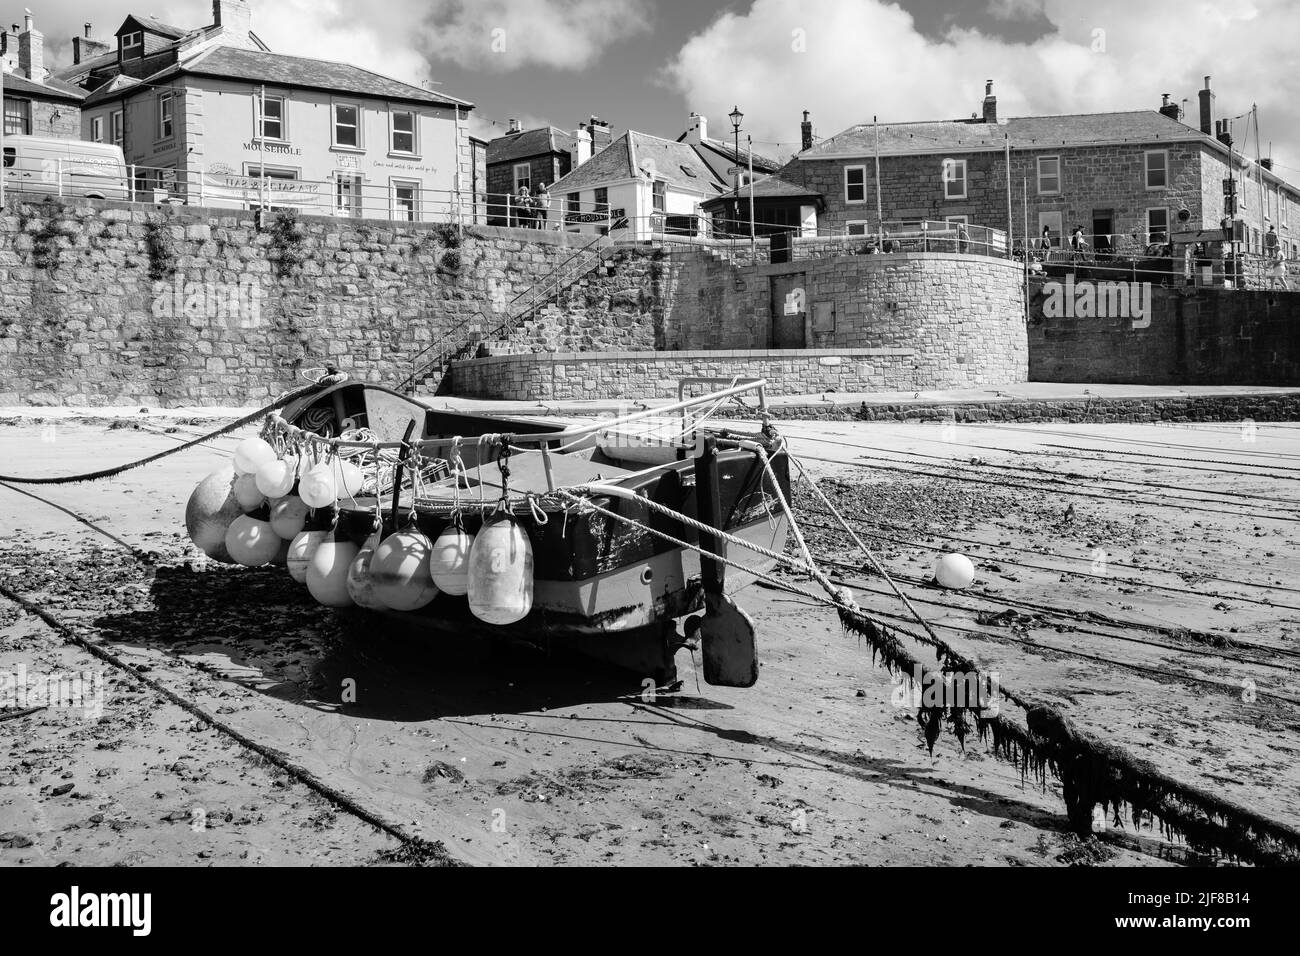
point(513, 757)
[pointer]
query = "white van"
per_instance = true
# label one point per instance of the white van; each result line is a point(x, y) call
point(70, 167)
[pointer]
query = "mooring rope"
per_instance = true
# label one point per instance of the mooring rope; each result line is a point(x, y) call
point(248, 419)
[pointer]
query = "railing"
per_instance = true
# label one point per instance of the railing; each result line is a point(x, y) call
point(551, 285)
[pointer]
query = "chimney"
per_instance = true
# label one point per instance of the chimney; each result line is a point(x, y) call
point(805, 133)
point(84, 48)
point(600, 134)
point(581, 145)
point(9, 50)
point(1207, 109)
point(990, 103)
point(31, 51)
point(1169, 109)
point(1221, 132)
point(233, 16)
point(514, 127)
point(698, 131)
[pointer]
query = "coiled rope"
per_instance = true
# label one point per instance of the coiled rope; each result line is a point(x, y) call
point(248, 419)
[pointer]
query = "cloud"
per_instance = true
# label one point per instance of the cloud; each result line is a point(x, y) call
point(847, 60)
point(1015, 9)
point(508, 34)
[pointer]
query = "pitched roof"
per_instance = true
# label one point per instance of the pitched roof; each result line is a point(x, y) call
point(51, 88)
point(112, 89)
point(677, 163)
point(531, 142)
point(770, 187)
point(762, 164)
point(1026, 132)
point(154, 25)
point(234, 63)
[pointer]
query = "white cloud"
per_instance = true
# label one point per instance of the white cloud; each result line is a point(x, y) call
point(865, 57)
point(508, 34)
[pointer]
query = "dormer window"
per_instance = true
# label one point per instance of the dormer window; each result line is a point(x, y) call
point(131, 44)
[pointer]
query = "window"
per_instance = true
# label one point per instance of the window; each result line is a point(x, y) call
point(523, 176)
point(167, 180)
point(97, 129)
point(659, 194)
point(1157, 167)
point(957, 220)
point(10, 156)
point(857, 227)
point(18, 117)
point(271, 125)
point(141, 182)
point(164, 115)
point(602, 200)
point(572, 204)
point(403, 125)
point(347, 125)
point(855, 184)
point(1158, 225)
point(406, 200)
point(116, 127)
point(131, 44)
point(1049, 175)
point(954, 179)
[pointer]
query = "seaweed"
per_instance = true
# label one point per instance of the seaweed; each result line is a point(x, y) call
point(1092, 771)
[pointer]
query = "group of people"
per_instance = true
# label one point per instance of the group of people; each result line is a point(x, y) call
point(532, 209)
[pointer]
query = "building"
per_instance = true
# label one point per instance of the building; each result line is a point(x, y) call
point(1127, 178)
point(638, 186)
point(777, 206)
point(35, 103)
point(211, 116)
point(725, 157)
point(524, 159)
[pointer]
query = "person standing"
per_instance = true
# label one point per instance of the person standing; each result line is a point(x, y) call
point(543, 206)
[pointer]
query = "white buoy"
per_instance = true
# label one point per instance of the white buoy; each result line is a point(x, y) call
point(348, 478)
point(210, 511)
point(247, 493)
point(400, 571)
point(449, 563)
point(288, 516)
point(360, 583)
point(251, 542)
point(501, 573)
point(317, 488)
point(327, 572)
point(954, 571)
point(275, 479)
point(251, 454)
point(301, 551)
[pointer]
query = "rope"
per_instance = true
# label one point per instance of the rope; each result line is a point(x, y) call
point(118, 469)
point(420, 848)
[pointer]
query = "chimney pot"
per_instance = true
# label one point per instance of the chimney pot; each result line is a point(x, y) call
point(87, 28)
point(990, 103)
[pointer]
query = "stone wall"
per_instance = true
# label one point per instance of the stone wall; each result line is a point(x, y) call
point(1195, 337)
point(103, 303)
point(563, 376)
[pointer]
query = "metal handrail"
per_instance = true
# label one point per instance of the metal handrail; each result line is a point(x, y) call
point(512, 318)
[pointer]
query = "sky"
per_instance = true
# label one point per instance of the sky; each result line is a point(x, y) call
point(647, 64)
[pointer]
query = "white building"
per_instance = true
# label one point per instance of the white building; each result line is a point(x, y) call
point(636, 187)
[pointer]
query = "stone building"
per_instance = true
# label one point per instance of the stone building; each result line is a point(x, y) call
point(525, 159)
point(35, 103)
point(211, 116)
point(1126, 178)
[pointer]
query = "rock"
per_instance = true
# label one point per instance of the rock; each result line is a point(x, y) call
point(61, 789)
point(15, 841)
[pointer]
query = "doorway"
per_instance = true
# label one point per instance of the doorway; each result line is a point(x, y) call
point(789, 311)
point(1103, 228)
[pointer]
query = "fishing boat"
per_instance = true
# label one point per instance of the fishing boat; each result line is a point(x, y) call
point(629, 521)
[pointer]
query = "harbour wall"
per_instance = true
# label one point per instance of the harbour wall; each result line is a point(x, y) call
point(1192, 336)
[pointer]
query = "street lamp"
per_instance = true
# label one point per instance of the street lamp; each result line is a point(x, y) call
point(736, 116)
